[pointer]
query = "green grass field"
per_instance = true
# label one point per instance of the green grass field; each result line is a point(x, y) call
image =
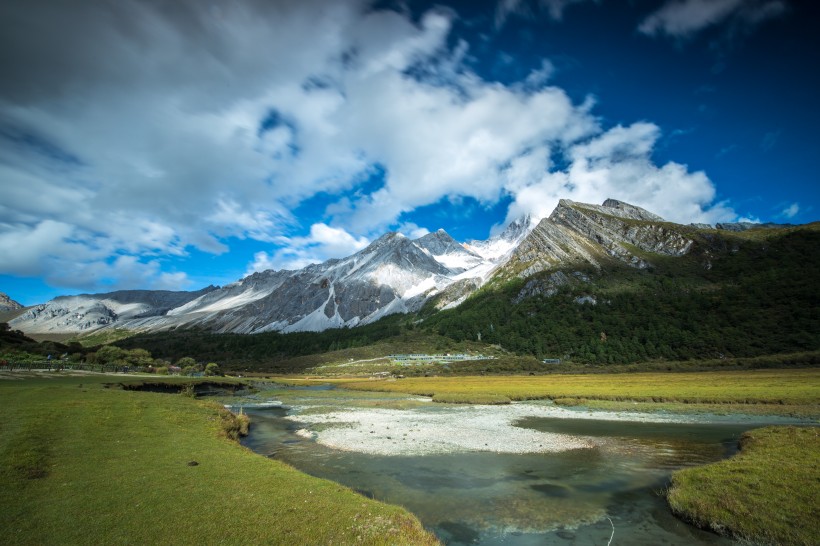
point(81, 464)
point(800, 387)
point(767, 494)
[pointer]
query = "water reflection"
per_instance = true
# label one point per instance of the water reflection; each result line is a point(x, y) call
point(522, 499)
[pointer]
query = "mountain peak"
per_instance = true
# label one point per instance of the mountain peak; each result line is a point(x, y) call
point(447, 250)
point(611, 207)
point(631, 211)
point(517, 228)
point(8, 304)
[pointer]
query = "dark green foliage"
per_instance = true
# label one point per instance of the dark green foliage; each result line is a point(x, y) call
point(16, 342)
point(760, 299)
point(261, 351)
point(733, 299)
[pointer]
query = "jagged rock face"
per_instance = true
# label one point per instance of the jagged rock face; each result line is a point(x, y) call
point(613, 207)
point(392, 275)
point(499, 248)
point(440, 242)
point(8, 304)
point(550, 285)
point(581, 233)
point(456, 293)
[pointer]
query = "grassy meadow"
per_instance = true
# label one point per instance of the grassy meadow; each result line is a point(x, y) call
point(82, 463)
point(799, 387)
point(769, 493)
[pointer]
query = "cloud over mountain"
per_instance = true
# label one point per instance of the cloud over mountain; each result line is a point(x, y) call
point(131, 132)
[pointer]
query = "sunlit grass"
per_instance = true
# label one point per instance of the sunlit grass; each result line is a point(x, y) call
point(81, 463)
point(767, 387)
point(478, 398)
point(768, 494)
point(797, 411)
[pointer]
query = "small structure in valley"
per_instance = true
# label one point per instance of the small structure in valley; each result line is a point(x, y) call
point(411, 359)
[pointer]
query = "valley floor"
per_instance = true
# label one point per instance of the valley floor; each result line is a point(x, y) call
point(82, 462)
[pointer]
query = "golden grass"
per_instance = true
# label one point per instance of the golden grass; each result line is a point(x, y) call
point(767, 494)
point(795, 387)
point(477, 398)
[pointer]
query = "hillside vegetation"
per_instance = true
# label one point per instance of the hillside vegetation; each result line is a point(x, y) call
point(759, 297)
point(736, 300)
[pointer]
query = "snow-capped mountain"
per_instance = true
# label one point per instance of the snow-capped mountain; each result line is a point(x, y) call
point(392, 275)
point(449, 252)
point(497, 248)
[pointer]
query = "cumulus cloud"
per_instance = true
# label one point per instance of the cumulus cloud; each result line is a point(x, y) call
point(131, 131)
point(322, 243)
point(685, 18)
point(618, 164)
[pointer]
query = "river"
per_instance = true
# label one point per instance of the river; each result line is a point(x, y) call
point(609, 488)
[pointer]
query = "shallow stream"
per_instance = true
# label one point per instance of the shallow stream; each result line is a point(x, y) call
point(574, 497)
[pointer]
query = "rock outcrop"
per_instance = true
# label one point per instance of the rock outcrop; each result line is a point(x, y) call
point(8, 304)
point(577, 233)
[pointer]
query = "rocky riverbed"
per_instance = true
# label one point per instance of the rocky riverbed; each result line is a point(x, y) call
point(448, 429)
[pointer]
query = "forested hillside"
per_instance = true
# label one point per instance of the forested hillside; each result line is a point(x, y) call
point(760, 297)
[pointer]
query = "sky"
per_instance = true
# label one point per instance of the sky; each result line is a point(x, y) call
point(147, 144)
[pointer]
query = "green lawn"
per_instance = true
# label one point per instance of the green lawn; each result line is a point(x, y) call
point(81, 464)
point(767, 494)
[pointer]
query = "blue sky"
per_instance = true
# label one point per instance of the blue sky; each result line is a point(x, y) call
point(174, 145)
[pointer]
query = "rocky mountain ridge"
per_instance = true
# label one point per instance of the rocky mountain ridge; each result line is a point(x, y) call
point(588, 234)
point(8, 304)
point(393, 274)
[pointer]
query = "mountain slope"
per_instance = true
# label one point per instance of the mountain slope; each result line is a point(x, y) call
point(731, 294)
point(88, 312)
point(578, 249)
point(391, 275)
point(577, 233)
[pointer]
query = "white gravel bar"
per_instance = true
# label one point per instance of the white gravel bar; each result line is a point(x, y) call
point(449, 429)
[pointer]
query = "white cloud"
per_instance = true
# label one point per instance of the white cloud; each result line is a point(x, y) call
point(791, 211)
point(749, 219)
point(617, 164)
point(412, 231)
point(110, 162)
point(685, 18)
point(539, 76)
point(323, 242)
point(23, 248)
